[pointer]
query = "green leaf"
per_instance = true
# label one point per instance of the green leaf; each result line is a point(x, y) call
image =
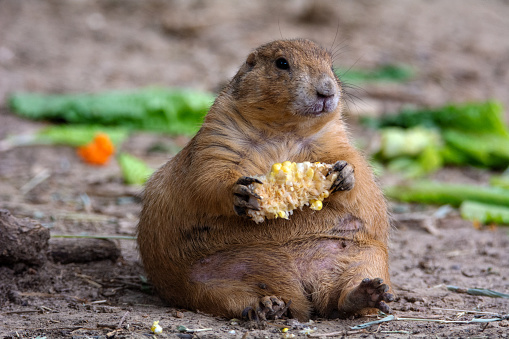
point(485, 150)
point(174, 111)
point(474, 117)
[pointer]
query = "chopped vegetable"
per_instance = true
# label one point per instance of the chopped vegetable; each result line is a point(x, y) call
point(134, 170)
point(475, 117)
point(485, 150)
point(401, 142)
point(453, 194)
point(414, 151)
point(417, 142)
point(99, 151)
point(485, 213)
point(175, 111)
point(289, 186)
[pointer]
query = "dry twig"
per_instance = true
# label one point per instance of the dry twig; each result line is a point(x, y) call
point(36, 180)
point(119, 326)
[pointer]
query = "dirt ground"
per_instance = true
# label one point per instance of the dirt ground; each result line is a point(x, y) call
point(459, 50)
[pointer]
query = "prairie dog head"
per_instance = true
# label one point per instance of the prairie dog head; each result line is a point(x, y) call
point(287, 79)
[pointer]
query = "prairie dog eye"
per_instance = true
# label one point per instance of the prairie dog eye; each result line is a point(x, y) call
point(282, 63)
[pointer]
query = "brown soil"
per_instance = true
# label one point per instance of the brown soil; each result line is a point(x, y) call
point(459, 49)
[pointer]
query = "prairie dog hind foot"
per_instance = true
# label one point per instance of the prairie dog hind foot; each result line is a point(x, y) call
point(269, 308)
point(370, 293)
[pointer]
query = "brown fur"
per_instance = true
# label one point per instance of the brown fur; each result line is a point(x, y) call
point(200, 255)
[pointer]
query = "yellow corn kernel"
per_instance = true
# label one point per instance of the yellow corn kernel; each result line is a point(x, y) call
point(298, 175)
point(310, 173)
point(286, 167)
point(156, 329)
point(282, 214)
point(275, 168)
point(294, 168)
point(316, 205)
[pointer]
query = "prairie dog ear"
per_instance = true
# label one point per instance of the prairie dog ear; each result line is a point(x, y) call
point(251, 59)
point(244, 69)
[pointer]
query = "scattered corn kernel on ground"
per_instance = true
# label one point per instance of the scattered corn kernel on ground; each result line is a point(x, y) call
point(289, 186)
point(156, 328)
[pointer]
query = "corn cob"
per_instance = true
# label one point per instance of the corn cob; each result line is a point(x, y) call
point(289, 186)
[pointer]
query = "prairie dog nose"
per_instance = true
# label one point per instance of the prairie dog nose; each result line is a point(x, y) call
point(325, 87)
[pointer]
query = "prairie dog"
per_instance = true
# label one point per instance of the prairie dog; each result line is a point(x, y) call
point(202, 253)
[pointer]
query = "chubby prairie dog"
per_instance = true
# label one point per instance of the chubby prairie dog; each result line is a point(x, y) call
point(202, 253)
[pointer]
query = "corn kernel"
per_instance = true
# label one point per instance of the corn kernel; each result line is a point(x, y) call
point(156, 329)
point(310, 173)
point(298, 175)
point(282, 214)
point(276, 168)
point(294, 167)
point(286, 169)
point(316, 205)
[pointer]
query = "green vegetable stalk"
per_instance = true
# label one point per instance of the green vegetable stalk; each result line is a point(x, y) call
point(453, 194)
point(501, 181)
point(78, 135)
point(69, 135)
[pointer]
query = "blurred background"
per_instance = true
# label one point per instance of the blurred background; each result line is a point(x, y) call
point(458, 49)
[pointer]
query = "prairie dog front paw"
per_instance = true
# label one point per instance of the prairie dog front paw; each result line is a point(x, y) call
point(244, 198)
point(345, 180)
